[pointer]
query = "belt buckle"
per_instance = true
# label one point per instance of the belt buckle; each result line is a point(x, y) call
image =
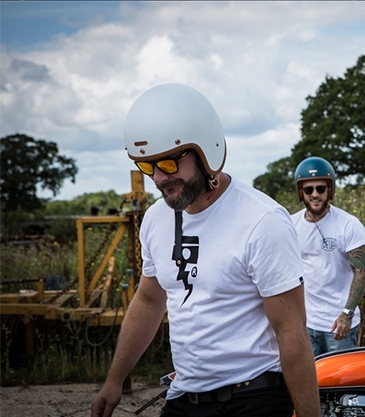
point(193, 398)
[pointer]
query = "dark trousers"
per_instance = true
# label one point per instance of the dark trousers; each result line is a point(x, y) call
point(264, 402)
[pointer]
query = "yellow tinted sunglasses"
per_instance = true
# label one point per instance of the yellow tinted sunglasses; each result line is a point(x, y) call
point(168, 166)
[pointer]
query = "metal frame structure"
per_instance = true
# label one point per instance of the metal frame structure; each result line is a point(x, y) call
point(93, 297)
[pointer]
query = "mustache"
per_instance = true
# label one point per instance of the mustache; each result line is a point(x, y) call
point(169, 184)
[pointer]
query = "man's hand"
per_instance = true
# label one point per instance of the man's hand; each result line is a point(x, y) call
point(106, 401)
point(341, 327)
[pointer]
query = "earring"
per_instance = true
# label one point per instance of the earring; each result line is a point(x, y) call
point(212, 182)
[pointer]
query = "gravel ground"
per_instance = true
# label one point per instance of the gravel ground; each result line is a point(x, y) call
point(73, 400)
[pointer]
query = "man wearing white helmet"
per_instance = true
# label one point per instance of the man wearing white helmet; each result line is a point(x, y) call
point(224, 259)
point(332, 245)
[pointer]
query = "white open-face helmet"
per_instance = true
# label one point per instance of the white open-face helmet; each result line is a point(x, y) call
point(170, 118)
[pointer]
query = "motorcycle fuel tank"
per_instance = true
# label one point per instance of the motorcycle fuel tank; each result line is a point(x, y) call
point(341, 368)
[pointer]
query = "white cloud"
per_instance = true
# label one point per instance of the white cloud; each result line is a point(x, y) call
point(255, 61)
point(247, 157)
point(158, 62)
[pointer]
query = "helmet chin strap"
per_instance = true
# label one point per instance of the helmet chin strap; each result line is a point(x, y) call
point(211, 181)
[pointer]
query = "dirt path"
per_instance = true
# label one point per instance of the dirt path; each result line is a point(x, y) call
point(72, 400)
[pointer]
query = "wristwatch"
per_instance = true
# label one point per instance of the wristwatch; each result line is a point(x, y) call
point(349, 313)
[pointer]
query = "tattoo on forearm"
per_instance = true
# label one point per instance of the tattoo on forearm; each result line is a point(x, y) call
point(357, 262)
point(357, 258)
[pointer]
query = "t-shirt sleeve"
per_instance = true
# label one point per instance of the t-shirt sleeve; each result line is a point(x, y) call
point(275, 264)
point(148, 266)
point(355, 234)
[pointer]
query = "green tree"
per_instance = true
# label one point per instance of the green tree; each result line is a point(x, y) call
point(26, 163)
point(332, 127)
point(279, 177)
point(333, 124)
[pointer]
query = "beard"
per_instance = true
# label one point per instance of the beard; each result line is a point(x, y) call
point(316, 212)
point(190, 192)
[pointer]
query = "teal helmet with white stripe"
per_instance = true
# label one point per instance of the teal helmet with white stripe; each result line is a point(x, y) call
point(311, 168)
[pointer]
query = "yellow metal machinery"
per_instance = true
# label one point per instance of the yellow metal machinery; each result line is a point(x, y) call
point(93, 297)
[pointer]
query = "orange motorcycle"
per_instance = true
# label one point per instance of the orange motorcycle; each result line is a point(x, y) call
point(341, 380)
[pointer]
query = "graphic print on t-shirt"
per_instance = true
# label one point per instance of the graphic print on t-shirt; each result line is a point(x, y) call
point(329, 244)
point(190, 253)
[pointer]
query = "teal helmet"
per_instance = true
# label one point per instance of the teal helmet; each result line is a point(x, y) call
point(315, 168)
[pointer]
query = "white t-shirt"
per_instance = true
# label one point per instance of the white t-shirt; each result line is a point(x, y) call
point(327, 272)
point(240, 249)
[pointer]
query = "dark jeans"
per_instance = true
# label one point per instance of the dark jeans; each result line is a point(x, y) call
point(265, 402)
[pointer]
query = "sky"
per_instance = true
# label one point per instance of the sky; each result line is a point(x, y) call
point(70, 71)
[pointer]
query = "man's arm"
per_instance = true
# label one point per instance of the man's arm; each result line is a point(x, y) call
point(286, 314)
point(140, 325)
point(342, 324)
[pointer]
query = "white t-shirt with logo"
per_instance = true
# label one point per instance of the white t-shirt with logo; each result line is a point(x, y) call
point(327, 272)
point(240, 249)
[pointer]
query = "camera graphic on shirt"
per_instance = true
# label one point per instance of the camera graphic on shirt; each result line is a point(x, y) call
point(189, 256)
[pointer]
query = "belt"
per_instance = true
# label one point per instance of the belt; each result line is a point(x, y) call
point(265, 380)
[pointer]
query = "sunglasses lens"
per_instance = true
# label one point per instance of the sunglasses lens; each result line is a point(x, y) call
point(320, 189)
point(308, 190)
point(168, 166)
point(145, 167)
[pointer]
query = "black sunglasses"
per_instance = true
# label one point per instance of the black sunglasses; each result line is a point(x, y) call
point(320, 189)
point(168, 166)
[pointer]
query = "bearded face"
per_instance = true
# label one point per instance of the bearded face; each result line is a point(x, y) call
point(316, 203)
point(191, 189)
point(316, 211)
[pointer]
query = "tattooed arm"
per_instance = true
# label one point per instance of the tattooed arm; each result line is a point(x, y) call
point(357, 262)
